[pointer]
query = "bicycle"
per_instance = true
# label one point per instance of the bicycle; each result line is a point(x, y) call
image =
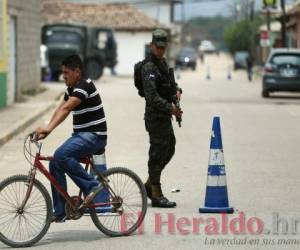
point(26, 206)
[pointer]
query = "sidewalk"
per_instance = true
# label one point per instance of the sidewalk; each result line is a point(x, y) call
point(16, 117)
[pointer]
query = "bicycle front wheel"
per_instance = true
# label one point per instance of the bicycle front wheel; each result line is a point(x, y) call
point(23, 227)
point(128, 204)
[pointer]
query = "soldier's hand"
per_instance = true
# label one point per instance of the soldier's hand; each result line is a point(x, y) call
point(178, 95)
point(176, 111)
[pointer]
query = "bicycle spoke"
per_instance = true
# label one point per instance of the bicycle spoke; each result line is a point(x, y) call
point(14, 192)
point(127, 187)
point(32, 224)
point(23, 227)
point(8, 199)
point(132, 191)
point(132, 195)
point(6, 224)
point(129, 208)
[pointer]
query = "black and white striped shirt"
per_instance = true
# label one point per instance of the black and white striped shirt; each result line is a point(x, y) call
point(89, 115)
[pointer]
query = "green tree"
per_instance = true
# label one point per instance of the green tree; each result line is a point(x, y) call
point(205, 28)
point(238, 36)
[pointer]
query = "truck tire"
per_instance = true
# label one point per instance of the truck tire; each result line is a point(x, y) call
point(94, 69)
point(265, 93)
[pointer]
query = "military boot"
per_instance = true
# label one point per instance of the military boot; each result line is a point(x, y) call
point(148, 188)
point(158, 199)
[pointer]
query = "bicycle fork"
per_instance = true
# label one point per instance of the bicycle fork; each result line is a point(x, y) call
point(31, 177)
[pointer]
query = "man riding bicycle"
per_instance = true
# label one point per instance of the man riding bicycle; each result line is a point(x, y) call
point(89, 126)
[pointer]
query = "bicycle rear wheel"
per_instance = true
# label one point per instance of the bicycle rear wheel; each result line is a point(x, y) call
point(125, 217)
point(23, 228)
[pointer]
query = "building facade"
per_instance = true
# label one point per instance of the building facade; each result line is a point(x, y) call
point(24, 39)
point(293, 26)
point(132, 28)
point(167, 12)
point(20, 34)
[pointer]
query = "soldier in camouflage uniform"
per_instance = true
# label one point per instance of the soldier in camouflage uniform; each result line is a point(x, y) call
point(158, 90)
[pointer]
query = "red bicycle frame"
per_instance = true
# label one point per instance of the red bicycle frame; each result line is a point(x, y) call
point(38, 165)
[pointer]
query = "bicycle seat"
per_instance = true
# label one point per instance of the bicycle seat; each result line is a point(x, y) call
point(100, 152)
point(87, 159)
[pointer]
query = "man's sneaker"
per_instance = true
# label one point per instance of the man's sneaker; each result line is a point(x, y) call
point(95, 190)
point(58, 219)
point(162, 202)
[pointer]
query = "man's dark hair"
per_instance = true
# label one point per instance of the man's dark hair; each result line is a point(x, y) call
point(72, 62)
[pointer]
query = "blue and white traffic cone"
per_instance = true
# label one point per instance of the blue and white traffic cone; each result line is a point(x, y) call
point(216, 198)
point(103, 196)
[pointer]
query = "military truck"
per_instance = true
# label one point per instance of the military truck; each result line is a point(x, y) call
point(96, 47)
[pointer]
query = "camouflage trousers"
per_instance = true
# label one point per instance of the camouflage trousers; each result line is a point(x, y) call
point(162, 147)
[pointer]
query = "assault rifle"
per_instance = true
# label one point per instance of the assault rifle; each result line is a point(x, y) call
point(174, 97)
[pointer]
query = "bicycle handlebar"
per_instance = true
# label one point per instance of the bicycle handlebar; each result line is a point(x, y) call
point(34, 139)
point(31, 139)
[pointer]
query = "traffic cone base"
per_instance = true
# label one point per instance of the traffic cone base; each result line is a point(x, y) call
point(213, 210)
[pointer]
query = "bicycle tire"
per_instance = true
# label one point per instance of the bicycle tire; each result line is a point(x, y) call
point(29, 226)
point(118, 174)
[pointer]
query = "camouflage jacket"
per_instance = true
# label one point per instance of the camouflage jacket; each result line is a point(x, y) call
point(156, 84)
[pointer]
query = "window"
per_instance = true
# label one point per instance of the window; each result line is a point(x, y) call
point(293, 59)
point(102, 39)
point(63, 37)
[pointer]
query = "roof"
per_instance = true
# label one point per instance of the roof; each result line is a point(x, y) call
point(116, 16)
point(294, 8)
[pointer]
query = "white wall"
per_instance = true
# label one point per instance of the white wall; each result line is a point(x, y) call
point(131, 49)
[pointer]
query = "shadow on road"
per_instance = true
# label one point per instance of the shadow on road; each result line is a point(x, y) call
point(71, 236)
point(74, 236)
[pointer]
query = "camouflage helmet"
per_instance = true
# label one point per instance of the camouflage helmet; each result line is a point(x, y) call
point(160, 38)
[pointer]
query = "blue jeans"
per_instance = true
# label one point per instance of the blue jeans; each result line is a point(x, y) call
point(66, 161)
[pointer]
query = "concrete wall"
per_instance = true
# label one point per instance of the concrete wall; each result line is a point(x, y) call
point(131, 49)
point(28, 37)
point(3, 53)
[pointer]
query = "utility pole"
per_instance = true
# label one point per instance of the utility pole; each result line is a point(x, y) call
point(268, 20)
point(283, 24)
point(252, 42)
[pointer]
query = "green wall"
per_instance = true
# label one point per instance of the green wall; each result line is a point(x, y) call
point(2, 89)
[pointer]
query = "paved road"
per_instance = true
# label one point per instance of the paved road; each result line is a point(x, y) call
point(260, 139)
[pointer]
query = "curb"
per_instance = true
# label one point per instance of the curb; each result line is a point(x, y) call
point(23, 124)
